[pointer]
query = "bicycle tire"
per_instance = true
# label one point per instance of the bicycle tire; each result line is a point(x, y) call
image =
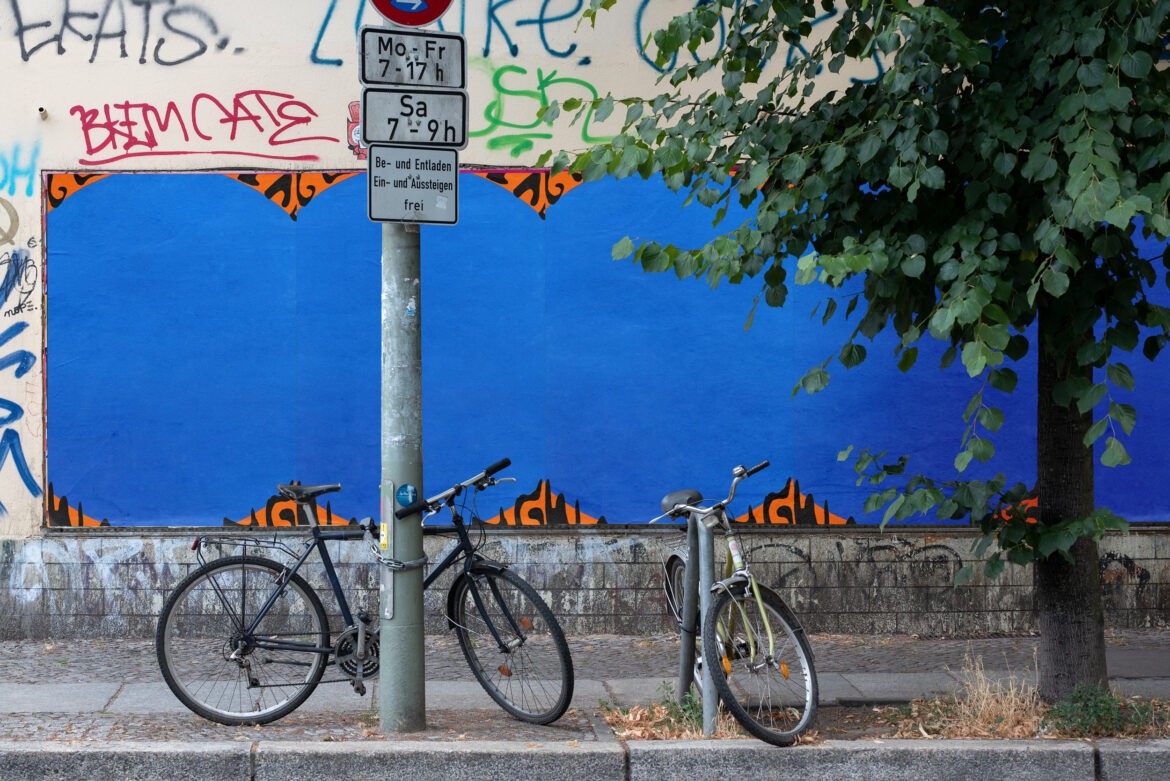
point(201, 628)
point(773, 696)
point(674, 586)
point(532, 677)
point(674, 571)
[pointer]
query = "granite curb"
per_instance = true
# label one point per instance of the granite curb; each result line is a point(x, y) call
point(1042, 760)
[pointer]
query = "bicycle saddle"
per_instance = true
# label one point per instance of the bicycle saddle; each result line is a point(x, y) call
point(688, 496)
point(303, 493)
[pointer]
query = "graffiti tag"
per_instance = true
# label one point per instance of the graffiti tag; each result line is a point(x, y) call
point(10, 412)
point(250, 118)
point(511, 116)
point(186, 30)
point(13, 171)
point(18, 281)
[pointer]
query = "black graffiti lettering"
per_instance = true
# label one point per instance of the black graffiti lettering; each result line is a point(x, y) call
point(172, 18)
point(103, 35)
point(187, 31)
point(23, 29)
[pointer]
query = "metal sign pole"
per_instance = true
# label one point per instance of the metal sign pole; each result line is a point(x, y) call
point(402, 693)
point(706, 579)
point(423, 75)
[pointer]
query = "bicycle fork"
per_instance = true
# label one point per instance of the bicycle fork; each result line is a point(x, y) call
point(742, 578)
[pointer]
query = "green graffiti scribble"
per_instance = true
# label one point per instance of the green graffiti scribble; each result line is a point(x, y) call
point(516, 107)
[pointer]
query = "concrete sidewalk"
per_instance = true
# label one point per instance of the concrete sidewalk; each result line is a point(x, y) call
point(99, 709)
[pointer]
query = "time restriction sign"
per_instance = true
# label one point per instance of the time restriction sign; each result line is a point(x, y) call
point(406, 116)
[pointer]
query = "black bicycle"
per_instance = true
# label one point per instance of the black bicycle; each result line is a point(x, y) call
point(245, 639)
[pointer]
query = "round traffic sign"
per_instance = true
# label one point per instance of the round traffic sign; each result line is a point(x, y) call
point(412, 13)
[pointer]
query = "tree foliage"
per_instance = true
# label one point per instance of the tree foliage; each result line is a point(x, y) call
point(1006, 163)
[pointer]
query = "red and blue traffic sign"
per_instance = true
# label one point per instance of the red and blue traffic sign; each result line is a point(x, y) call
point(412, 13)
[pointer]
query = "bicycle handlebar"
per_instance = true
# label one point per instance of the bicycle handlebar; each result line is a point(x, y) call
point(757, 468)
point(737, 474)
point(480, 481)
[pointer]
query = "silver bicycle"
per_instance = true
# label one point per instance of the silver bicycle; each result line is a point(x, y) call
point(754, 648)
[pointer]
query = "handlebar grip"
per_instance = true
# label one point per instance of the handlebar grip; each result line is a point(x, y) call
point(496, 467)
point(411, 509)
point(758, 467)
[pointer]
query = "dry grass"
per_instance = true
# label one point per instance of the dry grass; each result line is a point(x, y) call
point(1012, 709)
point(982, 708)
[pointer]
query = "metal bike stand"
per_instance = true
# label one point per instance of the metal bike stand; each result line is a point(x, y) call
point(696, 600)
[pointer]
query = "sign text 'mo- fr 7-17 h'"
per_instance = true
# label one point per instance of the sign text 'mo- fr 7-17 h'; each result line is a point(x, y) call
point(409, 58)
point(412, 13)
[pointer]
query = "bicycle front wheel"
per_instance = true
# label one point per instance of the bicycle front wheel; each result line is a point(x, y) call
point(514, 645)
point(221, 667)
point(761, 664)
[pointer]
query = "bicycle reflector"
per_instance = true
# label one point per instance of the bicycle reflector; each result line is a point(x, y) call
point(195, 544)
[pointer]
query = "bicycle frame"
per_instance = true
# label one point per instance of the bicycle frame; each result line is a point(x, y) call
point(319, 536)
point(466, 549)
point(700, 582)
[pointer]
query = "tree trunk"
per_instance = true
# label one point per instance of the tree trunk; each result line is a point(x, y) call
point(1067, 594)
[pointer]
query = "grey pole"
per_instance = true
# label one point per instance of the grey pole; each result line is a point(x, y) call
point(402, 693)
point(706, 579)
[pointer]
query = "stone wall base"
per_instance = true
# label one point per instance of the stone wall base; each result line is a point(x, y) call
point(112, 583)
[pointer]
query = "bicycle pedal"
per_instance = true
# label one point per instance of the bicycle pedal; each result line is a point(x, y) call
point(360, 688)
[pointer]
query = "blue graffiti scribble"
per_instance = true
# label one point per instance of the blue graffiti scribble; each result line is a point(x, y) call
point(10, 444)
point(18, 264)
point(543, 20)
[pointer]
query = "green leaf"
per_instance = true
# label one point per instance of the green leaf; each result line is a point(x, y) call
point(852, 355)
point(1055, 282)
point(981, 449)
point(835, 154)
point(623, 249)
point(604, 109)
point(963, 460)
point(1091, 397)
point(815, 381)
point(907, 359)
point(1003, 379)
point(1115, 453)
point(1004, 163)
point(1120, 375)
point(1095, 431)
point(963, 575)
point(990, 418)
point(993, 567)
point(868, 148)
point(1136, 64)
point(844, 454)
point(793, 168)
point(1125, 416)
point(913, 266)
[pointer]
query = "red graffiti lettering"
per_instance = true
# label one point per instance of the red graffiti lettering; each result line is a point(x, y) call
point(252, 123)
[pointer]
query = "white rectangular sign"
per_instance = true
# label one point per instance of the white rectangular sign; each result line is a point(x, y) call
point(413, 184)
point(406, 58)
point(405, 116)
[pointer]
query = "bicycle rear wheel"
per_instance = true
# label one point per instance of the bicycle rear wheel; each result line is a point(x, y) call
point(765, 678)
point(674, 579)
point(528, 671)
point(219, 669)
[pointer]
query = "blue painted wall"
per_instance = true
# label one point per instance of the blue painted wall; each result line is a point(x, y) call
point(202, 347)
